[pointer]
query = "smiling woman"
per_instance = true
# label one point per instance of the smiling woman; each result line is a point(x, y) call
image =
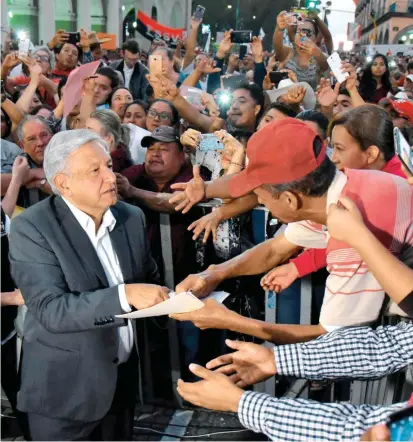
point(118, 99)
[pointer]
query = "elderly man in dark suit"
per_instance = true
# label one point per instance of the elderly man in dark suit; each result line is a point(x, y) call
point(80, 258)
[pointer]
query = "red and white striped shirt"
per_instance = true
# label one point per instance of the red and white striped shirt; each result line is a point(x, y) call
point(353, 296)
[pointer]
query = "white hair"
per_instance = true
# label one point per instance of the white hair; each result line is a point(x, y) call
point(61, 146)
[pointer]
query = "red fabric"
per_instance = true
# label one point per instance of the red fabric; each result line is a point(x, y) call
point(20, 80)
point(312, 260)
point(404, 108)
point(279, 153)
point(394, 167)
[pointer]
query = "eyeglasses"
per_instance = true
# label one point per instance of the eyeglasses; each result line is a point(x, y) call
point(43, 58)
point(305, 32)
point(163, 116)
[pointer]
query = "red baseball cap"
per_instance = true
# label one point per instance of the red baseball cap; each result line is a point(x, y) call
point(279, 153)
point(404, 108)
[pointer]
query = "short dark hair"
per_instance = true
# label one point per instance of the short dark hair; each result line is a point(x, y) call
point(140, 103)
point(57, 49)
point(256, 93)
point(316, 117)
point(94, 46)
point(131, 46)
point(369, 125)
point(410, 66)
point(344, 91)
point(316, 183)
point(111, 74)
point(281, 107)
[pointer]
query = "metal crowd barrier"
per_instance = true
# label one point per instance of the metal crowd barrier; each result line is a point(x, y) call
point(382, 391)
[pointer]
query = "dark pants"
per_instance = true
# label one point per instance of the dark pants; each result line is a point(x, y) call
point(10, 381)
point(116, 425)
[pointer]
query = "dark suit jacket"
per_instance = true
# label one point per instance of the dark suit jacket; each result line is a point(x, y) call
point(69, 366)
point(138, 82)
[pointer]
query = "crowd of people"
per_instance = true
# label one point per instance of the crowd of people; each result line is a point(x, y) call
point(86, 190)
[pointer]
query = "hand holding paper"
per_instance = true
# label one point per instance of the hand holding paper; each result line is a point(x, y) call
point(74, 85)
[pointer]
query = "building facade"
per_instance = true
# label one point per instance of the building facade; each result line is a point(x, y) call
point(385, 21)
point(41, 18)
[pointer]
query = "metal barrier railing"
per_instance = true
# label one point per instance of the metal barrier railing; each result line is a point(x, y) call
point(382, 391)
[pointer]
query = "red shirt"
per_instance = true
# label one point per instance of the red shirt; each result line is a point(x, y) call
point(315, 259)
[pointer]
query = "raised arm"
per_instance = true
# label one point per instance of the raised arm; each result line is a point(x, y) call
point(325, 32)
point(20, 174)
point(190, 43)
point(24, 102)
point(281, 51)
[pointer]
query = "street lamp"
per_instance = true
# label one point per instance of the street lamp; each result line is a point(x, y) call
point(254, 17)
point(229, 6)
point(404, 38)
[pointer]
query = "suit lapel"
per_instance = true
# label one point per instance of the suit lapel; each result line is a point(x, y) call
point(121, 246)
point(80, 241)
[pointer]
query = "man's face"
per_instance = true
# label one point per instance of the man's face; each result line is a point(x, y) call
point(243, 111)
point(347, 152)
point(68, 57)
point(90, 167)
point(342, 104)
point(35, 139)
point(103, 88)
point(97, 53)
point(270, 116)
point(280, 205)
point(130, 59)
point(246, 64)
point(164, 160)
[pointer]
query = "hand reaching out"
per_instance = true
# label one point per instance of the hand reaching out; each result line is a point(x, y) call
point(280, 278)
point(295, 95)
point(209, 223)
point(20, 170)
point(225, 45)
point(327, 96)
point(190, 139)
point(257, 49)
point(207, 67)
point(192, 192)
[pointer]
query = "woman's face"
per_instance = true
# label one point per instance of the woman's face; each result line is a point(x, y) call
point(119, 99)
point(136, 115)
point(35, 102)
point(305, 30)
point(347, 152)
point(378, 67)
point(42, 58)
point(269, 117)
point(159, 114)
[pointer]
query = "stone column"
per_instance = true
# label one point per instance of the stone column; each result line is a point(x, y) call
point(114, 20)
point(47, 17)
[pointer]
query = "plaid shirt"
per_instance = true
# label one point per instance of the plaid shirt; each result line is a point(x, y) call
point(289, 419)
point(354, 352)
point(358, 352)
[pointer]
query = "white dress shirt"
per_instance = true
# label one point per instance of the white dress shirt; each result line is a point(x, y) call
point(128, 74)
point(107, 256)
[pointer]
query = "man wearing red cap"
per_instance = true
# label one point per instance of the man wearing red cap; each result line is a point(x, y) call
point(290, 173)
point(401, 112)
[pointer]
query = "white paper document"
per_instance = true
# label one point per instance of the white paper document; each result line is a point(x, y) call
point(181, 303)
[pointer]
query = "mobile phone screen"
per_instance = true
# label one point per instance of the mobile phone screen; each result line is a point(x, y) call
point(210, 142)
point(401, 425)
point(241, 36)
point(276, 77)
point(403, 150)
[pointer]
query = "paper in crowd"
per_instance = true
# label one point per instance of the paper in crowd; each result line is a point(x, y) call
point(177, 303)
point(74, 86)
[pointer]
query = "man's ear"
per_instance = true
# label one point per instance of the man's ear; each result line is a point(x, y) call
point(61, 182)
point(373, 154)
point(291, 200)
point(257, 109)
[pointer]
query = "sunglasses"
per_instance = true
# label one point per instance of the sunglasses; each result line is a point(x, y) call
point(305, 32)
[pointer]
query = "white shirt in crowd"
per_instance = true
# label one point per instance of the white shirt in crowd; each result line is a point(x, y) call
point(128, 74)
point(110, 263)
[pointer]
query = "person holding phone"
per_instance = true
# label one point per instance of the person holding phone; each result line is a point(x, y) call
point(305, 58)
